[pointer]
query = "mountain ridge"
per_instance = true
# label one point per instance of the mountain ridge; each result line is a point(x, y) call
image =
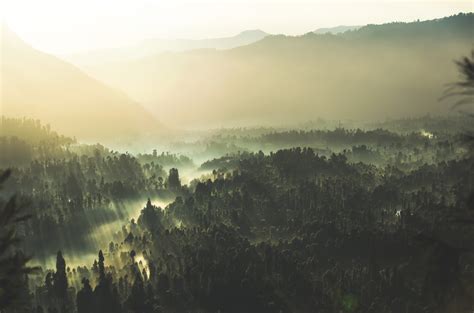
point(156, 46)
point(383, 70)
point(336, 30)
point(39, 85)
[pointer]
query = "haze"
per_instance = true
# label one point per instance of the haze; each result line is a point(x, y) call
point(252, 156)
point(61, 27)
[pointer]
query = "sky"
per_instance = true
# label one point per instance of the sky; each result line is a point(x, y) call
point(68, 26)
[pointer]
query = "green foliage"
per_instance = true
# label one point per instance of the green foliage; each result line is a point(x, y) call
point(349, 303)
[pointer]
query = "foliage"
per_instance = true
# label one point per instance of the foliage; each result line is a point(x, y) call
point(13, 262)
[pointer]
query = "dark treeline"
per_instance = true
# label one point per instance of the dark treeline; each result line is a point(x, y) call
point(379, 146)
point(22, 140)
point(459, 25)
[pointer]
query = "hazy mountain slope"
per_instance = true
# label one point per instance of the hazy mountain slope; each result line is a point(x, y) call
point(392, 70)
point(154, 46)
point(336, 30)
point(458, 27)
point(38, 85)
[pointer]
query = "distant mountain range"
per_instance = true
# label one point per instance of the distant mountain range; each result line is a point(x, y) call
point(336, 30)
point(377, 71)
point(38, 85)
point(156, 46)
point(374, 72)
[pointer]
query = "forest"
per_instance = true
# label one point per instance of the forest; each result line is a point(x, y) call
point(330, 171)
point(317, 220)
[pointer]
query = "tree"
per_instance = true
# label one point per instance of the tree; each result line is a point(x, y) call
point(132, 256)
point(84, 298)
point(60, 278)
point(111, 247)
point(150, 217)
point(105, 294)
point(101, 267)
point(13, 266)
point(137, 301)
point(463, 88)
point(48, 283)
point(174, 182)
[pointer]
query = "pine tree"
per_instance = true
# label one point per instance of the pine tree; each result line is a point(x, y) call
point(136, 302)
point(174, 182)
point(105, 293)
point(85, 299)
point(101, 267)
point(60, 278)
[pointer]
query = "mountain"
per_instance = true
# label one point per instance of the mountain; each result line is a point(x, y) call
point(336, 30)
point(38, 85)
point(392, 70)
point(156, 46)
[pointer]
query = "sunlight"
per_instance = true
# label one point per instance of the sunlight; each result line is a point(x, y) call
point(426, 134)
point(68, 26)
point(236, 156)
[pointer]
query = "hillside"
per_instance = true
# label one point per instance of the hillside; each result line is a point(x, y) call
point(155, 46)
point(41, 86)
point(392, 70)
point(336, 30)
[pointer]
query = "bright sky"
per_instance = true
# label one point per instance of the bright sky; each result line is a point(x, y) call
point(65, 26)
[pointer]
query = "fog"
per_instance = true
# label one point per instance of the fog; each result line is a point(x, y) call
point(283, 80)
point(312, 173)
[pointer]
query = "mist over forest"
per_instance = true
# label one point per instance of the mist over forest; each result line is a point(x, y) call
point(257, 173)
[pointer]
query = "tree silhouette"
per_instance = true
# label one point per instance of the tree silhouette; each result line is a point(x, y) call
point(105, 294)
point(174, 182)
point(101, 267)
point(13, 263)
point(463, 88)
point(137, 301)
point(60, 278)
point(85, 299)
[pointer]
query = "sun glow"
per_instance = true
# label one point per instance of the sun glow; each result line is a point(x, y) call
point(143, 264)
point(67, 26)
point(426, 134)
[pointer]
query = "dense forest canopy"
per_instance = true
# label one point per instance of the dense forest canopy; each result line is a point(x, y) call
point(359, 220)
